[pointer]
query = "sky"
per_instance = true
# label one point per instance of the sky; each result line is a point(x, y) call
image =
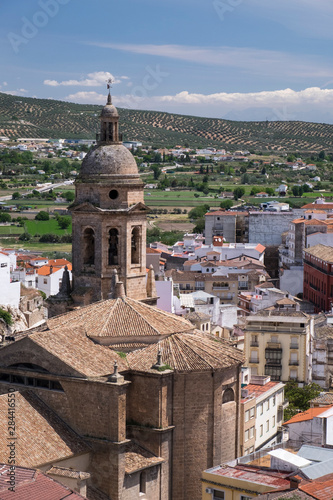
point(233, 59)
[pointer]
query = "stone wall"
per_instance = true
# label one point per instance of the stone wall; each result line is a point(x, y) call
point(266, 227)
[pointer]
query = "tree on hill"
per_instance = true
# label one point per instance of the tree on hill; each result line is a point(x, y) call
point(227, 204)
point(238, 192)
point(64, 221)
point(42, 215)
point(157, 171)
point(5, 217)
point(69, 196)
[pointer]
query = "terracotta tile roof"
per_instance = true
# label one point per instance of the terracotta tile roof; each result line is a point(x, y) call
point(285, 301)
point(321, 488)
point(59, 262)
point(42, 437)
point(128, 345)
point(256, 475)
point(324, 332)
point(137, 458)
point(278, 494)
point(315, 211)
point(186, 352)
point(323, 399)
point(122, 318)
point(77, 351)
point(265, 284)
point(257, 390)
point(306, 415)
point(153, 250)
point(46, 270)
point(34, 485)
point(197, 316)
point(320, 251)
point(320, 206)
point(66, 472)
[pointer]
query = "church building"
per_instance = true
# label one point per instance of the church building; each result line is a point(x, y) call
point(122, 399)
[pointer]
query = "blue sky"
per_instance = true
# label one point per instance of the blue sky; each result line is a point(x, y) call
point(236, 59)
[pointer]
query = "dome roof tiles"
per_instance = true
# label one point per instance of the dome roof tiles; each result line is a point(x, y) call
point(109, 160)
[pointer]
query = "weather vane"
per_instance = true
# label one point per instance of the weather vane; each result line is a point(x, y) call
point(109, 84)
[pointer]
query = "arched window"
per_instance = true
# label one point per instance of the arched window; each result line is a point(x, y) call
point(135, 245)
point(228, 396)
point(113, 247)
point(88, 247)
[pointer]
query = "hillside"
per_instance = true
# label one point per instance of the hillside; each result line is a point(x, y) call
point(29, 117)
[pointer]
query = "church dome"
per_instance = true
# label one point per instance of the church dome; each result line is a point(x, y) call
point(109, 111)
point(108, 161)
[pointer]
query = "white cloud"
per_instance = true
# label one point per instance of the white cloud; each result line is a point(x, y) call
point(87, 98)
point(96, 79)
point(310, 104)
point(314, 95)
point(4, 84)
point(255, 61)
point(17, 92)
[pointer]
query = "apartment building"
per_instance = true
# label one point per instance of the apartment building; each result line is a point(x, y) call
point(280, 344)
point(223, 285)
point(262, 405)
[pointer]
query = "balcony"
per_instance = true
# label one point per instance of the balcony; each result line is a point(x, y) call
point(277, 363)
point(293, 362)
point(273, 345)
point(294, 346)
point(221, 287)
point(254, 343)
point(254, 360)
point(283, 405)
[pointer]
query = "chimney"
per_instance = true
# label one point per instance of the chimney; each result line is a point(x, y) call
point(114, 281)
point(51, 269)
point(120, 291)
point(151, 286)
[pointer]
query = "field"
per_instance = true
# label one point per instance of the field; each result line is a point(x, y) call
point(36, 246)
point(43, 227)
point(46, 118)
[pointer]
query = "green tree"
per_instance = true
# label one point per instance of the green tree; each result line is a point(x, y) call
point(5, 218)
point(69, 196)
point(6, 316)
point(297, 190)
point(299, 397)
point(16, 195)
point(157, 171)
point(42, 215)
point(64, 221)
point(238, 192)
point(227, 204)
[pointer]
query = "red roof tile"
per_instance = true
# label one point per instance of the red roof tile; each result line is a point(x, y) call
point(272, 479)
point(306, 415)
point(321, 488)
point(33, 485)
point(257, 390)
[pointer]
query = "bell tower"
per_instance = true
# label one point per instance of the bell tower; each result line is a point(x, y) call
point(109, 218)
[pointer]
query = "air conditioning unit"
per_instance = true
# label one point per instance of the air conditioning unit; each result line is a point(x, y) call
point(209, 490)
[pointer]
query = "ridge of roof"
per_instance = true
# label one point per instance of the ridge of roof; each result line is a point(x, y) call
point(186, 352)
